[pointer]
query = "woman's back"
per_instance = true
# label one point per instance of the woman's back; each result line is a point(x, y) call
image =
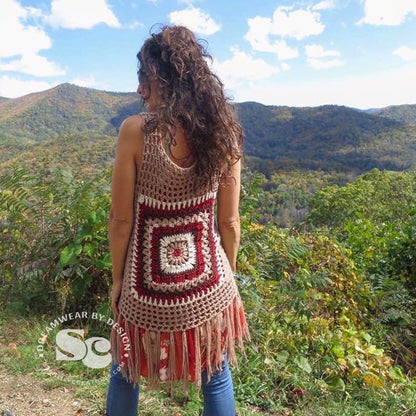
point(178, 148)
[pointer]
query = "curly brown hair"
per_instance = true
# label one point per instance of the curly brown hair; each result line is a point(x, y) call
point(192, 96)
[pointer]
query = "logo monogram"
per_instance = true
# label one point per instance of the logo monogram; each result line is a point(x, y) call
point(72, 346)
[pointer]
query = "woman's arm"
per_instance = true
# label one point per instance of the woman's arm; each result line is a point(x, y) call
point(129, 149)
point(228, 217)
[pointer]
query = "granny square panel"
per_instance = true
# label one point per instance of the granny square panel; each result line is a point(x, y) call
point(174, 251)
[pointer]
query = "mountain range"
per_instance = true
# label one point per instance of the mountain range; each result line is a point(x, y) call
point(69, 120)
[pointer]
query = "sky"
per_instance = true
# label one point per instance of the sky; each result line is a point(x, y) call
point(358, 53)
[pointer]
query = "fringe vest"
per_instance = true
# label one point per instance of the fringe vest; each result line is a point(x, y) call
point(180, 310)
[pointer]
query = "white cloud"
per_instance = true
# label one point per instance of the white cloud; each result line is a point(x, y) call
point(316, 55)
point(19, 38)
point(242, 67)
point(81, 14)
point(387, 12)
point(317, 51)
point(33, 64)
point(24, 41)
point(406, 53)
point(371, 91)
point(260, 28)
point(33, 12)
point(13, 87)
point(195, 19)
point(324, 5)
point(285, 22)
point(258, 33)
point(285, 66)
point(298, 24)
point(283, 50)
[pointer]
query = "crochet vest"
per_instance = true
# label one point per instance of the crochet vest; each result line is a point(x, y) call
point(179, 301)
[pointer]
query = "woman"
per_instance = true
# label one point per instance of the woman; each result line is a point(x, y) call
point(174, 296)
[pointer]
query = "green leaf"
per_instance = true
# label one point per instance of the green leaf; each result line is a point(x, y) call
point(336, 384)
point(282, 356)
point(84, 234)
point(78, 249)
point(92, 217)
point(88, 250)
point(67, 256)
point(80, 285)
point(412, 211)
point(303, 364)
point(396, 373)
point(104, 262)
point(338, 350)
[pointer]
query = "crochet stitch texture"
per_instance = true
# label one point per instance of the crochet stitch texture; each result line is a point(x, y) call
point(180, 309)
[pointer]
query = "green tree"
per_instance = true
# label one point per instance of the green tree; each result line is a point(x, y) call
point(53, 239)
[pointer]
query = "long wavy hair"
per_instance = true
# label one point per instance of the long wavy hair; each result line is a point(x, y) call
point(191, 96)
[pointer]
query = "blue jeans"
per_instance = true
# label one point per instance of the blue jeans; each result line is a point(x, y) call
point(123, 398)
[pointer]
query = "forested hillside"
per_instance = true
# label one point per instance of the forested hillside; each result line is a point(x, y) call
point(90, 155)
point(65, 109)
point(405, 113)
point(329, 138)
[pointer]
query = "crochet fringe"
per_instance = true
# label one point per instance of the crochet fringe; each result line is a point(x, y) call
point(216, 337)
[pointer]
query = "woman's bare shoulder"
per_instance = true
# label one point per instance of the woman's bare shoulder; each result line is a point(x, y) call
point(132, 124)
point(131, 136)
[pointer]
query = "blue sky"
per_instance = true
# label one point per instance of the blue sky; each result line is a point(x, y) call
point(359, 53)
